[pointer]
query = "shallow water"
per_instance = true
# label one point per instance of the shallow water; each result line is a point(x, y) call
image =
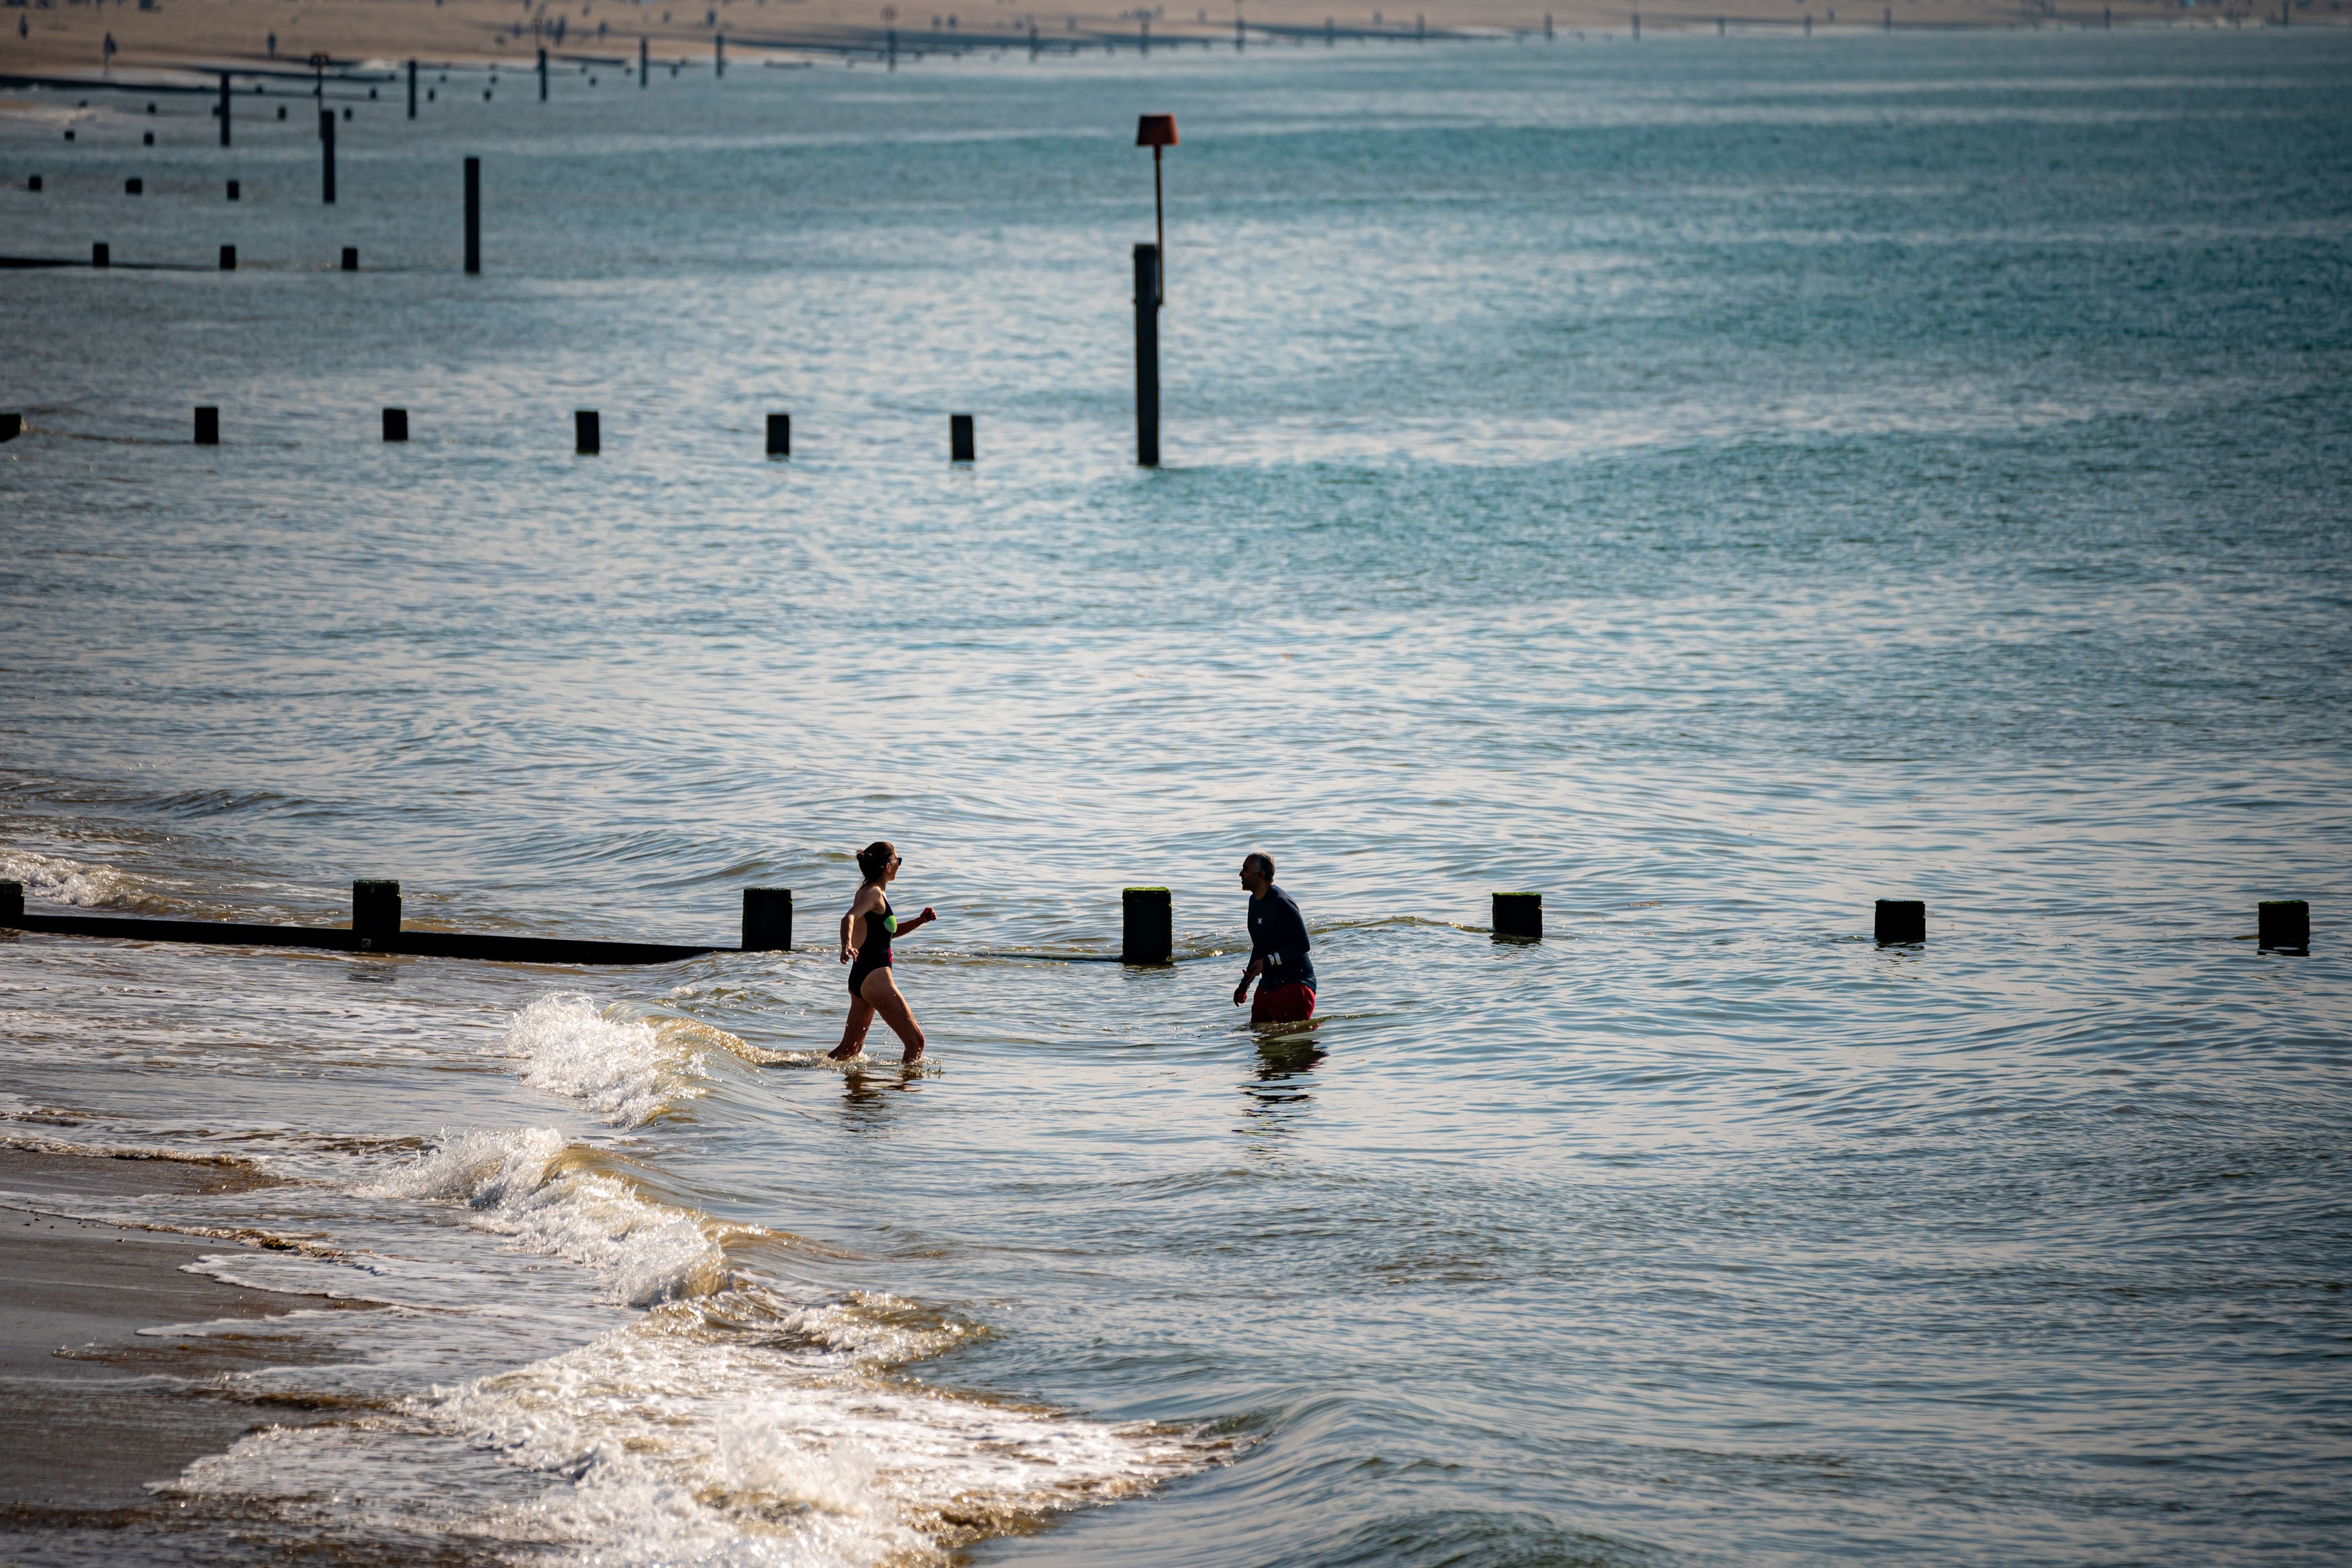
point(1717, 484)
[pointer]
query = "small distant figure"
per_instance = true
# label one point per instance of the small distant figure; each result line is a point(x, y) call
point(1278, 960)
point(109, 63)
point(273, 45)
point(865, 934)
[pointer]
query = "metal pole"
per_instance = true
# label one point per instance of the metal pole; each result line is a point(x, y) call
point(412, 90)
point(644, 63)
point(326, 154)
point(543, 76)
point(1147, 356)
point(225, 102)
point(1159, 233)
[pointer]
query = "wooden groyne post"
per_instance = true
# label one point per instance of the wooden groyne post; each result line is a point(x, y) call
point(1519, 916)
point(326, 156)
point(2283, 923)
point(543, 76)
point(1148, 926)
point(645, 63)
point(587, 432)
point(395, 424)
point(224, 109)
point(1900, 921)
point(228, 258)
point(780, 436)
point(767, 920)
point(960, 449)
point(473, 214)
point(207, 426)
point(412, 90)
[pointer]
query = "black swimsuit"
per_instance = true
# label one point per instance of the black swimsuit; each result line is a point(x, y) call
point(873, 952)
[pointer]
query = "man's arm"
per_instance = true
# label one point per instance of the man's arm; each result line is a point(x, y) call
point(1241, 992)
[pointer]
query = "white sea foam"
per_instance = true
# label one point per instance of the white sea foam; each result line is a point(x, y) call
point(683, 1438)
point(526, 1184)
point(629, 1069)
point(51, 879)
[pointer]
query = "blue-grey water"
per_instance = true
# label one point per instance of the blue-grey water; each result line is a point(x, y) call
point(1716, 485)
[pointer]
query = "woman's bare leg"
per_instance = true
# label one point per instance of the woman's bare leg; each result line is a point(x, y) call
point(882, 993)
point(853, 1033)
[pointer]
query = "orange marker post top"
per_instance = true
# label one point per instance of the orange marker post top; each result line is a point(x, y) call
point(1155, 131)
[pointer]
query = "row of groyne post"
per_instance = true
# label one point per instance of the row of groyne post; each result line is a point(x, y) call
point(1147, 930)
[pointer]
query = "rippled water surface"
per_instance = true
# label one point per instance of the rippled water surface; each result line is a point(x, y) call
point(1716, 485)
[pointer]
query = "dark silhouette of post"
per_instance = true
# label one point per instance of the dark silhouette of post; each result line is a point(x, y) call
point(1519, 916)
point(1155, 131)
point(224, 109)
point(473, 214)
point(543, 76)
point(412, 90)
point(780, 435)
point(100, 255)
point(351, 259)
point(326, 156)
point(587, 432)
point(767, 920)
point(228, 258)
point(719, 55)
point(959, 438)
point(645, 63)
point(375, 909)
point(11, 425)
point(1147, 356)
point(1901, 920)
point(395, 424)
point(235, 192)
point(2283, 923)
point(1146, 925)
point(208, 426)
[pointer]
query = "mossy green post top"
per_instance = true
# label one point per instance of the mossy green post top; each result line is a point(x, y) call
point(1148, 934)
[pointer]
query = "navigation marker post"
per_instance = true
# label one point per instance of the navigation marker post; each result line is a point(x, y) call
point(1155, 132)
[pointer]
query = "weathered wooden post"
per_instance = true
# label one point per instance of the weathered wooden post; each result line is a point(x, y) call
point(1519, 916)
point(228, 258)
point(543, 76)
point(1147, 356)
point(207, 426)
point(100, 254)
point(12, 903)
point(473, 214)
point(2283, 923)
point(645, 63)
point(327, 155)
point(719, 55)
point(1148, 929)
point(224, 109)
point(587, 432)
point(351, 259)
point(412, 90)
point(11, 425)
point(780, 435)
point(959, 438)
point(767, 920)
point(235, 192)
point(375, 910)
point(1901, 920)
point(134, 187)
point(395, 424)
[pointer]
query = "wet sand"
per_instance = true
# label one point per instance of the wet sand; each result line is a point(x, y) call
point(115, 1410)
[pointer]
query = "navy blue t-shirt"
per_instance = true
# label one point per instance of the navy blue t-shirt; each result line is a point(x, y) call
point(1278, 935)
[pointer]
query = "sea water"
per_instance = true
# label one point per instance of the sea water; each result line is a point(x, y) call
point(1716, 483)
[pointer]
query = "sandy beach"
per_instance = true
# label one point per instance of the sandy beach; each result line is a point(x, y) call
point(211, 34)
point(118, 1409)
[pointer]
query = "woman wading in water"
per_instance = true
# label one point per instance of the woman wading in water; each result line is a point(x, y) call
point(865, 934)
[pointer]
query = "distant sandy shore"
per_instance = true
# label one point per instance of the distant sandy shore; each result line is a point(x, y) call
point(51, 38)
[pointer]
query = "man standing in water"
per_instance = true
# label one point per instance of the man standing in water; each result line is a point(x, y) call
point(1278, 961)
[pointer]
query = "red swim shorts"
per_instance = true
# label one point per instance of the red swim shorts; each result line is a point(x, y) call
point(1281, 1004)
